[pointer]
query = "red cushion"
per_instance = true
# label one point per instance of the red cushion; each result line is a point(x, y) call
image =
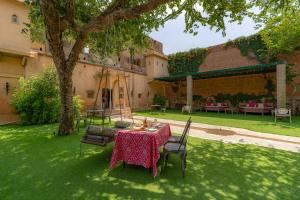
point(252, 104)
point(209, 104)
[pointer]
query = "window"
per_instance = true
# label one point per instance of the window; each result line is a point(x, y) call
point(90, 94)
point(14, 19)
point(157, 63)
point(140, 95)
point(86, 50)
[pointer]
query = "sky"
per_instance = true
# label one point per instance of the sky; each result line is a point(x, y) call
point(174, 39)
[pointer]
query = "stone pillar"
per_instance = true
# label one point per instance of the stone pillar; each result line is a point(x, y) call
point(281, 85)
point(189, 90)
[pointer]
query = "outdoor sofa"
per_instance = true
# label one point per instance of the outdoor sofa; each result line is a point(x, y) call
point(216, 107)
point(253, 107)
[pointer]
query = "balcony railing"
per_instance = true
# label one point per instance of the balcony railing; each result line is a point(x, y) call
point(132, 67)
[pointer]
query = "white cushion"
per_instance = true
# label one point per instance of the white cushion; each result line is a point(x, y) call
point(260, 105)
point(282, 111)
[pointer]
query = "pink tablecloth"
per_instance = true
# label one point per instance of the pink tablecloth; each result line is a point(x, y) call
point(139, 147)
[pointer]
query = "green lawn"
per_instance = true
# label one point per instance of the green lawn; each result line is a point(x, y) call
point(36, 165)
point(258, 123)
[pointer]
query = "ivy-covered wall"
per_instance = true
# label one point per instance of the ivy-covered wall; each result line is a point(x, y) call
point(253, 46)
point(186, 62)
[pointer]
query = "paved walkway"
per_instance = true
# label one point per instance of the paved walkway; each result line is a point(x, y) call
point(234, 135)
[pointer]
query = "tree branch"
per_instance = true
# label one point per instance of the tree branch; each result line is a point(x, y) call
point(53, 31)
point(68, 21)
point(79, 44)
point(114, 13)
point(108, 18)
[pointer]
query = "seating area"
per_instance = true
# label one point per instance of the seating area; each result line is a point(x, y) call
point(258, 108)
point(218, 107)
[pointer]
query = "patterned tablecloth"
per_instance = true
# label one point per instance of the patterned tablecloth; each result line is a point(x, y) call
point(139, 147)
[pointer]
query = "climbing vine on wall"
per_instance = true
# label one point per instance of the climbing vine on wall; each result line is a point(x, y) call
point(253, 46)
point(186, 62)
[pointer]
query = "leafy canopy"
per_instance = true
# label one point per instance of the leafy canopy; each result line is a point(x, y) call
point(128, 33)
point(280, 23)
point(282, 33)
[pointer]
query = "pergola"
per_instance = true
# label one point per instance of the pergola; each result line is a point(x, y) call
point(278, 67)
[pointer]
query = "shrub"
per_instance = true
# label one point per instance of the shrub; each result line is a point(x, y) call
point(159, 100)
point(37, 99)
point(77, 105)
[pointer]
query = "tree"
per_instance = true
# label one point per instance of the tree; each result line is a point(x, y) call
point(86, 22)
point(280, 26)
point(282, 33)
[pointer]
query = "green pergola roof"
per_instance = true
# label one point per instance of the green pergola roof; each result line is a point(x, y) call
point(244, 70)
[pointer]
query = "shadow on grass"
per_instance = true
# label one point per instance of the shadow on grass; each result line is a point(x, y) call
point(36, 165)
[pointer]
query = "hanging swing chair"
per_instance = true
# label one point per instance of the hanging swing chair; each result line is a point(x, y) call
point(103, 134)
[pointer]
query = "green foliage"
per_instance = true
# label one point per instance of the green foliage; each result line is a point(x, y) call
point(253, 45)
point(128, 33)
point(290, 73)
point(240, 97)
point(37, 99)
point(281, 33)
point(270, 87)
point(186, 62)
point(77, 105)
point(159, 100)
point(198, 98)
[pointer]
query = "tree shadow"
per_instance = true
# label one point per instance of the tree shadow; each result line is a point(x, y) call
point(45, 167)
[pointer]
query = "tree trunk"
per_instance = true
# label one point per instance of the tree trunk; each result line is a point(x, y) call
point(66, 99)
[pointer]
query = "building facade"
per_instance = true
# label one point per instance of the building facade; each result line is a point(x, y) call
point(141, 76)
point(19, 57)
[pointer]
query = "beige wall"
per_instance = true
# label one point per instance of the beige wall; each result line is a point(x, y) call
point(11, 37)
point(10, 72)
point(86, 78)
point(156, 66)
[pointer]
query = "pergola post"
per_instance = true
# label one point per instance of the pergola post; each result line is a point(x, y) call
point(189, 90)
point(281, 85)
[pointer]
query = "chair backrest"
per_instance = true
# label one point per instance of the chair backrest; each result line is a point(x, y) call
point(183, 138)
point(283, 111)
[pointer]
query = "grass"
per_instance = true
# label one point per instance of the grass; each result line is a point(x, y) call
point(258, 123)
point(36, 165)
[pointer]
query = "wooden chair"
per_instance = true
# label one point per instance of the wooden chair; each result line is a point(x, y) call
point(283, 113)
point(178, 148)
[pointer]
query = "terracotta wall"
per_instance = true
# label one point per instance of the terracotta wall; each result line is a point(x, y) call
point(250, 84)
point(294, 59)
point(220, 57)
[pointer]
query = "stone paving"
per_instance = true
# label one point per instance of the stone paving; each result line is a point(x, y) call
point(233, 135)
